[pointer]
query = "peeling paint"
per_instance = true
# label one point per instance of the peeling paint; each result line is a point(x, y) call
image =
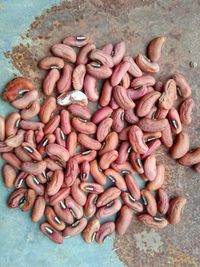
point(148, 241)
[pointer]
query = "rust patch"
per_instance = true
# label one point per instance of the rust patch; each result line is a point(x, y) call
point(137, 22)
point(179, 258)
point(22, 59)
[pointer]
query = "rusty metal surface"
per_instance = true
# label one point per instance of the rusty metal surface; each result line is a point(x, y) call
point(136, 22)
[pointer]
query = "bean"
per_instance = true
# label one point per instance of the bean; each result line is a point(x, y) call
point(185, 111)
point(107, 48)
point(16, 140)
point(163, 201)
point(30, 125)
point(26, 100)
point(60, 137)
point(16, 197)
point(149, 125)
point(76, 228)
point(174, 120)
point(38, 209)
point(152, 222)
point(110, 209)
point(64, 83)
point(169, 95)
point(101, 114)
point(119, 52)
point(78, 76)
point(153, 146)
point(116, 178)
point(2, 128)
point(12, 124)
point(150, 202)
point(47, 108)
point(150, 169)
point(63, 212)
point(90, 231)
point(72, 172)
point(71, 143)
point(12, 159)
point(34, 168)
point(90, 88)
point(123, 152)
point(159, 179)
point(175, 210)
point(136, 162)
point(88, 142)
point(98, 71)
point(82, 57)
point(83, 126)
point(77, 41)
point(96, 173)
point(124, 220)
point(75, 209)
point(79, 111)
point(146, 103)
point(134, 70)
point(123, 168)
point(107, 158)
point(166, 138)
point(103, 129)
point(183, 88)
point(131, 202)
point(51, 63)
point(49, 83)
point(141, 81)
point(118, 120)
point(31, 111)
point(132, 186)
point(84, 170)
point(190, 158)
point(181, 146)
point(137, 94)
point(107, 196)
point(9, 175)
point(52, 124)
point(51, 233)
point(55, 183)
point(72, 97)
point(146, 65)
point(59, 196)
point(119, 72)
point(102, 57)
point(29, 200)
point(136, 140)
point(64, 51)
point(33, 183)
point(53, 220)
point(110, 143)
point(88, 155)
point(105, 230)
point(78, 195)
point(122, 98)
point(130, 116)
point(65, 123)
point(155, 47)
point(91, 187)
point(90, 205)
point(106, 94)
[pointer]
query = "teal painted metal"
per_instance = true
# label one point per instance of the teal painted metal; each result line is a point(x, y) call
point(21, 243)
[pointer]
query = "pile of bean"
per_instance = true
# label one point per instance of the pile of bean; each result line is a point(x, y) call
point(76, 166)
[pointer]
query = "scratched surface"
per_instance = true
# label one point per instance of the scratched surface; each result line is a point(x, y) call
point(28, 28)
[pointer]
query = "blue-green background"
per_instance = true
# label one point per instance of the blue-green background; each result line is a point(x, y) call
point(21, 243)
